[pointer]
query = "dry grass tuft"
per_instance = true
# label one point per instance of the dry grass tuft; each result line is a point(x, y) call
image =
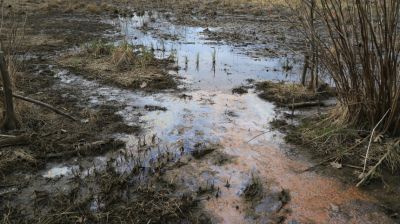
point(344, 144)
point(11, 158)
point(93, 8)
point(123, 56)
point(254, 189)
point(99, 48)
point(287, 93)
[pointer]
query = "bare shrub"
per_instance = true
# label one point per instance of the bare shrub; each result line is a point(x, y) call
point(359, 48)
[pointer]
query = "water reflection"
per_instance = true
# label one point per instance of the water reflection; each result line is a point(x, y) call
point(218, 66)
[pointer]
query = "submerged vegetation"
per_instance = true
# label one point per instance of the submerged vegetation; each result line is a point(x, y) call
point(254, 189)
point(110, 197)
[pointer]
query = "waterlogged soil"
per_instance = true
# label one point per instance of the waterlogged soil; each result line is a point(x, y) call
point(199, 141)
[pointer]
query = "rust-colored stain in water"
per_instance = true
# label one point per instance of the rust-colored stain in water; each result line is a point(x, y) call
point(312, 195)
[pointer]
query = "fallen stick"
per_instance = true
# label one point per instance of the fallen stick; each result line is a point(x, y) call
point(7, 136)
point(372, 170)
point(44, 105)
point(262, 133)
point(370, 140)
point(319, 164)
point(305, 104)
point(14, 141)
point(352, 166)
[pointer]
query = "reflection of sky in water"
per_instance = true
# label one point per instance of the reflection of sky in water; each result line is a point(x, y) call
point(203, 119)
point(212, 111)
point(58, 171)
point(195, 54)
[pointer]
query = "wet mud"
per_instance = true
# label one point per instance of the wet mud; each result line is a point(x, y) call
point(201, 147)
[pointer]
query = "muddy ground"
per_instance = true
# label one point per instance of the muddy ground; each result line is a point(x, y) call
point(152, 143)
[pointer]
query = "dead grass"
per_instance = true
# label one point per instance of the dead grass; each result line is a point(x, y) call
point(254, 189)
point(283, 93)
point(123, 56)
point(99, 48)
point(70, 6)
point(12, 157)
point(345, 145)
point(202, 149)
point(122, 65)
point(111, 197)
point(93, 8)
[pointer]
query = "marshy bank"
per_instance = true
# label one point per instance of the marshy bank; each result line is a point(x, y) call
point(161, 138)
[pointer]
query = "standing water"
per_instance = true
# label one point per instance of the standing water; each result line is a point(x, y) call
point(210, 114)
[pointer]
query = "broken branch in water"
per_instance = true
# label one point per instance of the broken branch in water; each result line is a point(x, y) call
point(262, 133)
point(390, 150)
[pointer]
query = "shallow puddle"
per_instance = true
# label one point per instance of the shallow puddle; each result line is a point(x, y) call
point(208, 65)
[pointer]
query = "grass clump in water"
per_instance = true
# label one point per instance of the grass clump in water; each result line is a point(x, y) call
point(123, 56)
point(283, 93)
point(99, 48)
point(201, 149)
point(254, 189)
point(146, 57)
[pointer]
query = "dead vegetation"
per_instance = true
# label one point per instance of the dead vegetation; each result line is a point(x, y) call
point(265, 204)
point(202, 149)
point(346, 146)
point(109, 197)
point(48, 137)
point(122, 65)
point(364, 63)
point(292, 94)
point(363, 128)
point(254, 190)
point(240, 90)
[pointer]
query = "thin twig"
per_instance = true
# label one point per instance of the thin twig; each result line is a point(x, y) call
point(370, 140)
point(262, 133)
point(372, 170)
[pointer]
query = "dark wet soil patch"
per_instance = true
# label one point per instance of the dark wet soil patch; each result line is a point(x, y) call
point(263, 204)
point(240, 90)
point(221, 158)
point(154, 108)
point(200, 150)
